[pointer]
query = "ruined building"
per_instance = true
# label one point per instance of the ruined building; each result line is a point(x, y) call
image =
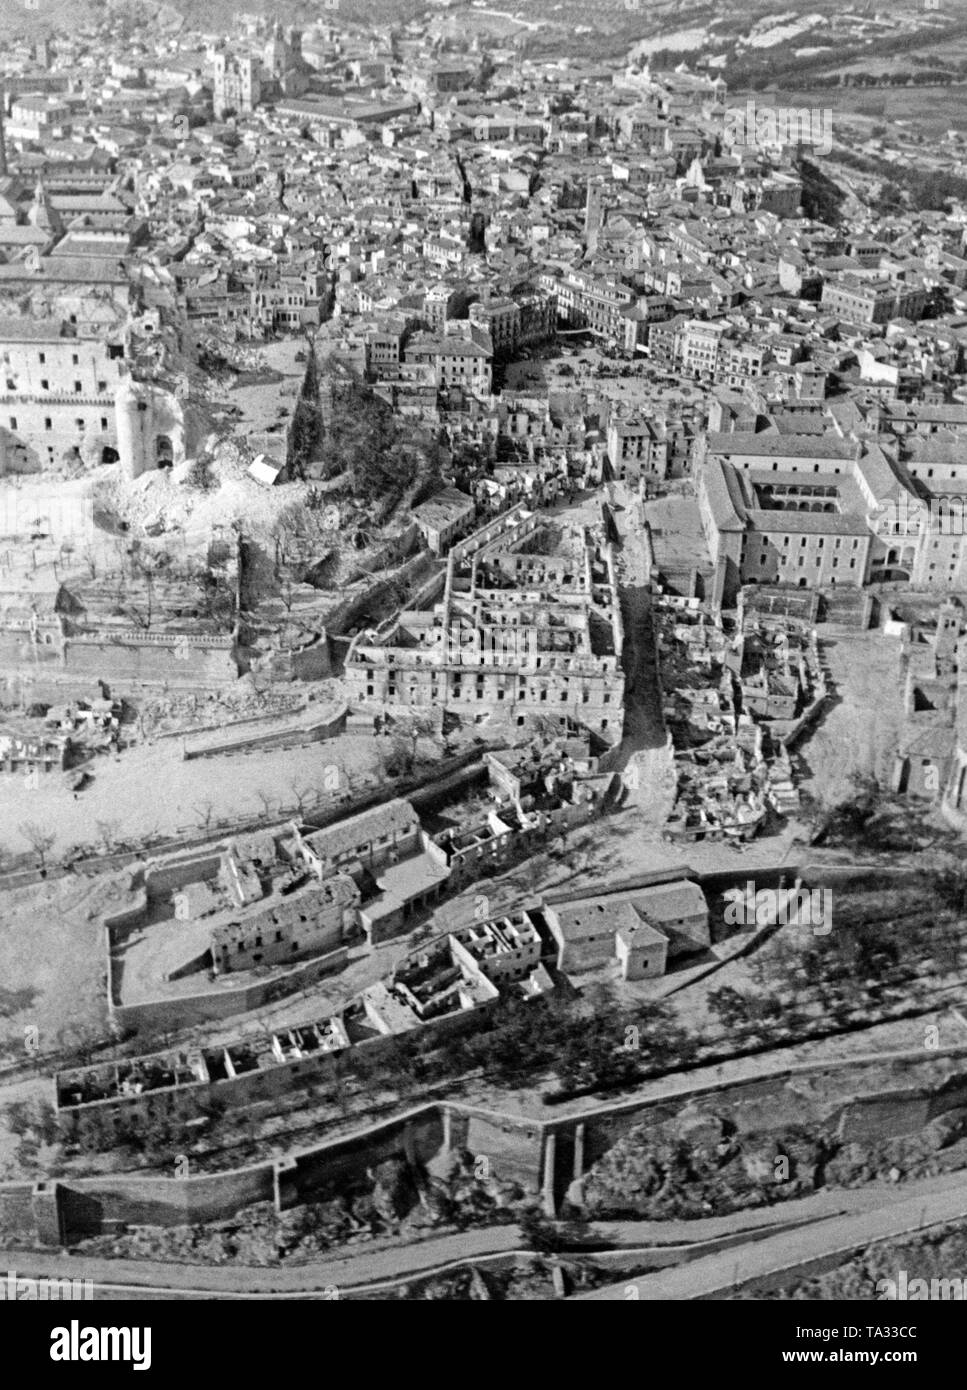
point(519, 632)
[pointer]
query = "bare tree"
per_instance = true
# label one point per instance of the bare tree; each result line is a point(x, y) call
point(152, 833)
point(303, 794)
point(78, 1039)
point(418, 726)
point(287, 591)
point(41, 841)
point(383, 754)
point(266, 803)
point(107, 833)
point(402, 754)
point(204, 810)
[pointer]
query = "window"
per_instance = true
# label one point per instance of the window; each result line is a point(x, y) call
point(48, 423)
point(78, 387)
point(43, 358)
point(13, 422)
point(45, 385)
point(75, 360)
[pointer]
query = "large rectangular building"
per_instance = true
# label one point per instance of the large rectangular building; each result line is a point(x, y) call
point(517, 632)
point(57, 390)
point(787, 509)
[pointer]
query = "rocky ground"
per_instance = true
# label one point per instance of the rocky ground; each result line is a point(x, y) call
point(941, 1255)
point(392, 1199)
point(701, 1165)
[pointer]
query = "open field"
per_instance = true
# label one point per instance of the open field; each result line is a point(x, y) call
point(149, 790)
point(933, 109)
point(54, 962)
point(859, 731)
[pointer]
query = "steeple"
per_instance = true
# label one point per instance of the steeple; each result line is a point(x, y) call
point(42, 214)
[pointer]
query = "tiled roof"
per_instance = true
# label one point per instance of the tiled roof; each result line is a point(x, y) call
point(808, 523)
point(780, 446)
point(334, 840)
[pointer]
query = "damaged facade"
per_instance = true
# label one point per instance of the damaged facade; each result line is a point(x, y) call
point(519, 633)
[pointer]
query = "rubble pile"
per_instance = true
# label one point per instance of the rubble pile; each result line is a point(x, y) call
point(733, 700)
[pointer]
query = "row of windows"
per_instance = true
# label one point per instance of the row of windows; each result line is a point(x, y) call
point(114, 350)
point(241, 946)
point(482, 694)
point(45, 385)
point(764, 560)
point(820, 542)
point(754, 463)
point(79, 422)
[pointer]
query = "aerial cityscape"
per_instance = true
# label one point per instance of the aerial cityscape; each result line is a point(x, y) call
point(483, 651)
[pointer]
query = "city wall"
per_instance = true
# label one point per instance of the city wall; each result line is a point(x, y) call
point(89, 1206)
point(535, 1153)
point(152, 658)
point(190, 1010)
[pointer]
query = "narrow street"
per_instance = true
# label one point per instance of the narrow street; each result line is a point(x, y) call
point(644, 758)
point(758, 1243)
point(780, 1256)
